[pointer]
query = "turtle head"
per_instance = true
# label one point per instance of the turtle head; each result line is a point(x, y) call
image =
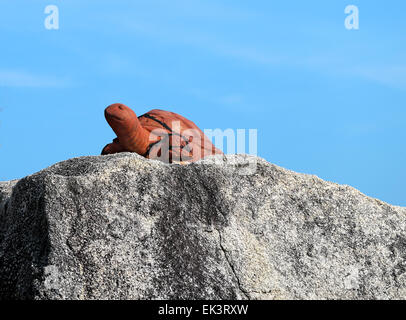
point(118, 114)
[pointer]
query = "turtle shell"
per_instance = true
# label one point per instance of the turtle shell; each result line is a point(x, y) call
point(175, 138)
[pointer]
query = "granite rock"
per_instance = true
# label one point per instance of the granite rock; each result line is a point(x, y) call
point(227, 227)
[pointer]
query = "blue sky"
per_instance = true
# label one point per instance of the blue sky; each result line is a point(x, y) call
point(325, 100)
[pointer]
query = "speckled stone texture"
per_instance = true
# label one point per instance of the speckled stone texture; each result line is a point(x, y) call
point(125, 227)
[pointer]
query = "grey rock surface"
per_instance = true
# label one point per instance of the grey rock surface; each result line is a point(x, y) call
point(124, 227)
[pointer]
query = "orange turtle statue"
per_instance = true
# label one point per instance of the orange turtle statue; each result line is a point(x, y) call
point(157, 134)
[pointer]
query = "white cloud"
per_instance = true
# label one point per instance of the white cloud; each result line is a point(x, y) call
point(392, 76)
point(232, 99)
point(331, 63)
point(12, 78)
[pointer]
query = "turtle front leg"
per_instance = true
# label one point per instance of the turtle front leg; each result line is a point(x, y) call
point(114, 147)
